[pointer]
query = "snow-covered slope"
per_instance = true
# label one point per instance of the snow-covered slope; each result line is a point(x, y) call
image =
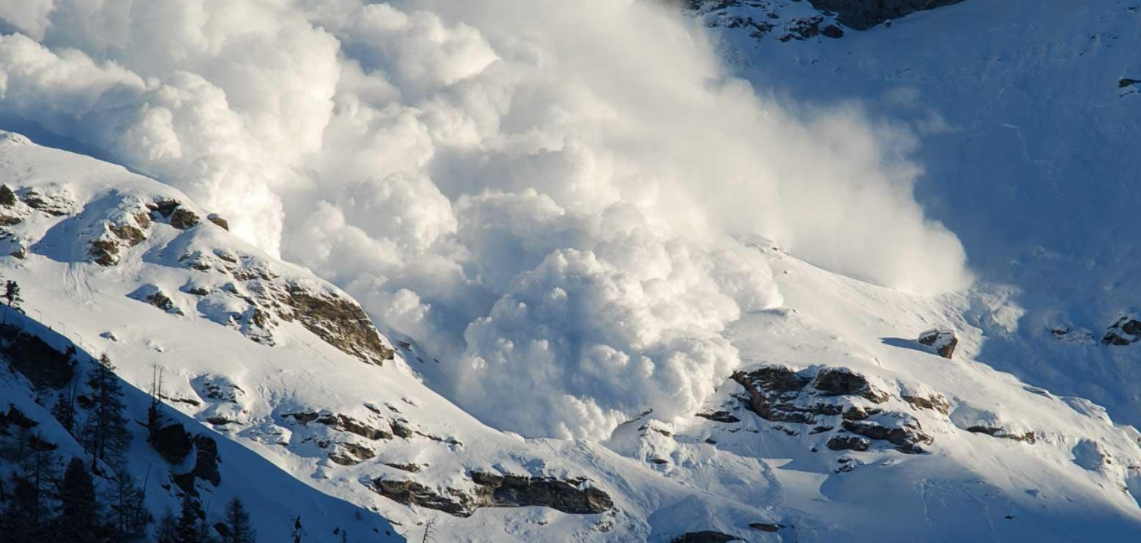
point(1026, 114)
point(287, 367)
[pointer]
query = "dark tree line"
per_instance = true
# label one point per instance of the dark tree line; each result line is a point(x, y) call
point(39, 504)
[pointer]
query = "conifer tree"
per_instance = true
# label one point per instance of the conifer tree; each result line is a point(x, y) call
point(79, 517)
point(238, 523)
point(107, 434)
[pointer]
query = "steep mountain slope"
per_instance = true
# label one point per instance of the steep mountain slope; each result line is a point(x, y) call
point(837, 417)
point(1026, 115)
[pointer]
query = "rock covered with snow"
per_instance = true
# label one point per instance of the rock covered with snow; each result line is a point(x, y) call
point(941, 340)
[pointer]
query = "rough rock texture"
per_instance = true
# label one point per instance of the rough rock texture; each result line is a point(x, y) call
point(339, 321)
point(906, 436)
point(706, 536)
point(940, 339)
point(41, 363)
point(570, 496)
point(849, 443)
point(183, 219)
point(780, 394)
point(342, 423)
point(172, 441)
point(1025, 437)
point(864, 14)
point(845, 382)
point(1126, 331)
point(218, 220)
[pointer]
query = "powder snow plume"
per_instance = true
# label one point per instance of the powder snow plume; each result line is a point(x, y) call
point(549, 195)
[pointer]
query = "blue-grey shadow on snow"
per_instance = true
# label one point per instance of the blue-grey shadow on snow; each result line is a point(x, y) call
point(906, 344)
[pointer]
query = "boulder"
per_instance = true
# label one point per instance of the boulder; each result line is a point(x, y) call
point(1126, 331)
point(942, 340)
point(849, 443)
point(183, 218)
point(705, 536)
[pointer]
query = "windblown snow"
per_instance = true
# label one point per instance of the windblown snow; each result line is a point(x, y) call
point(548, 195)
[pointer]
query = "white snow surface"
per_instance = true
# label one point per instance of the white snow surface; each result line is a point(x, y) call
point(666, 475)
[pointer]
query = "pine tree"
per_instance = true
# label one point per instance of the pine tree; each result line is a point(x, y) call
point(18, 521)
point(7, 197)
point(107, 434)
point(79, 519)
point(168, 529)
point(129, 516)
point(238, 523)
point(12, 294)
point(64, 408)
point(188, 522)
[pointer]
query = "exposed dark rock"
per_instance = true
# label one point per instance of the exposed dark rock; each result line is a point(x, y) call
point(942, 340)
point(342, 423)
point(56, 205)
point(849, 443)
point(160, 300)
point(906, 437)
point(561, 495)
point(864, 14)
point(408, 492)
point(832, 31)
point(1127, 82)
point(172, 441)
point(183, 219)
point(719, 416)
point(401, 429)
point(495, 490)
point(766, 527)
point(17, 417)
point(218, 220)
point(934, 401)
point(338, 321)
point(351, 454)
point(105, 251)
point(164, 207)
point(206, 464)
point(1126, 331)
point(6, 220)
point(845, 382)
point(41, 363)
point(1025, 437)
point(410, 468)
point(705, 536)
point(803, 29)
point(128, 233)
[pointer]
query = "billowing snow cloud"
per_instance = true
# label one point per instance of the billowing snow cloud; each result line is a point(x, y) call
point(546, 194)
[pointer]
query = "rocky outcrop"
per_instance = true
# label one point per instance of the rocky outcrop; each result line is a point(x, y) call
point(1004, 433)
point(864, 14)
point(172, 441)
point(183, 219)
point(1127, 82)
point(42, 364)
point(827, 398)
point(845, 382)
point(849, 443)
point(1126, 331)
point(705, 536)
point(906, 434)
point(719, 416)
point(570, 496)
point(338, 321)
point(342, 423)
point(941, 340)
point(218, 220)
point(57, 204)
